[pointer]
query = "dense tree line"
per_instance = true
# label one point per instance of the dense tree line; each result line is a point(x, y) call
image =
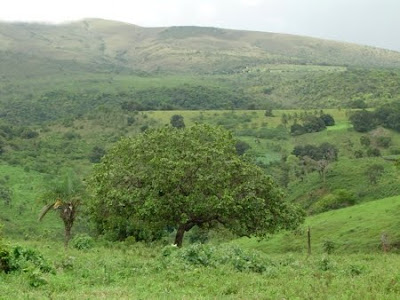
point(61, 104)
point(324, 151)
point(186, 97)
point(387, 116)
point(312, 123)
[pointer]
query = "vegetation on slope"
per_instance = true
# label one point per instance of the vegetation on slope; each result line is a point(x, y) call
point(349, 230)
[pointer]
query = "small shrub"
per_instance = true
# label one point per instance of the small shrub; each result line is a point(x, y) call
point(241, 147)
point(96, 154)
point(338, 199)
point(19, 259)
point(67, 263)
point(30, 257)
point(71, 135)
point(373, 152)
point(326, 264)
point(36, 279)
point(198, 235)
point(384, 141)
point(29, 134)
point(328, 246)
point(394, 151)
point(82, 242)
point(374, 172)
point(355, 270)
point(327, 119)
point(358, 154)
point(6, 264)
point(130, 120)
point(209, 256)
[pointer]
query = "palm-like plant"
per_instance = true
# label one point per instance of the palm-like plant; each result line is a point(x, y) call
point(67, 194)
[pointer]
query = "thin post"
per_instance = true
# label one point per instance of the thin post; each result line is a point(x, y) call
point(385, 242)
point(309, 240)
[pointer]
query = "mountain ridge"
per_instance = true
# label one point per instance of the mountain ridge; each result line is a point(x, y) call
point(117, 47)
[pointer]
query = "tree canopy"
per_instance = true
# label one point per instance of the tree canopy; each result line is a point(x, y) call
point(181, 178)
point(177, 121)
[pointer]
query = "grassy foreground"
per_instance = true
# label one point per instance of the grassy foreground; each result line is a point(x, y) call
point(278, 268)
point(202, 272)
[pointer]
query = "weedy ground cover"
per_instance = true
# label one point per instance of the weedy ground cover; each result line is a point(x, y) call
point(137, 271)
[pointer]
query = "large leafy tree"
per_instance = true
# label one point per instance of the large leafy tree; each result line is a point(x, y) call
point(181, 178)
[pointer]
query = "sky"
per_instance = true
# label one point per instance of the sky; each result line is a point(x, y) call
point(368, 22)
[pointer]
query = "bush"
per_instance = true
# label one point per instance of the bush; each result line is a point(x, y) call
point(21, 259)
point(6, 264)
point(297, 129)
point(241, 147)
point(363, 121)
point(384, 141)
point(328, 246)
point(96, 154)
point(82, 242)
point(71, 135)
point(358, 154)
point(29, 134)
point(198, 235)
point(210, 256)
point(373, 152)
point(374, 172)
point(328, 119)
point(365, 141)
point(177, 121)
point(338, 199)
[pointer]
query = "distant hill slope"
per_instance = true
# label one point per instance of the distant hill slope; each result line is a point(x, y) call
point(95, 45)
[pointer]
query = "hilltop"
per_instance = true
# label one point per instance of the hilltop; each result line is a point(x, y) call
point(53, 72)
point(95, 45)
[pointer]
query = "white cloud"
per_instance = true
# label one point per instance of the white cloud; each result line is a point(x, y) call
point(251, 2)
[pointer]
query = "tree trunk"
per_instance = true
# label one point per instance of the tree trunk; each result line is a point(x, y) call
point(179, 235)
point(67, 235)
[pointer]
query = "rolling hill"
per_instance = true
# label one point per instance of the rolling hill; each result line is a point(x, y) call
point(96, 45)
point(81, 66)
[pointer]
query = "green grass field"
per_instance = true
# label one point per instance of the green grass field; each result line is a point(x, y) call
point(123, 271)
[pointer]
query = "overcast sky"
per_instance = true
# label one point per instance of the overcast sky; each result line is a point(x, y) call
point(369, 22)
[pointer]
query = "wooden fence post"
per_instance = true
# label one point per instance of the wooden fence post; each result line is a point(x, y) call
point(309, 240)
point(385, 242)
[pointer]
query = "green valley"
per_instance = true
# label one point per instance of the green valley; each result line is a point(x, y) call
point(297, 127)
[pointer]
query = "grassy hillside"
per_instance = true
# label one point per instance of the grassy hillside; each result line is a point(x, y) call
point(71, 144)
point(98, 62)
point(349, 230)
point(97, 45)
